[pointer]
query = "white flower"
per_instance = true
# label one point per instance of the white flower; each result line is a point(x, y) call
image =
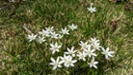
point(65, 31)
point(60, 36)
point(83, 45)
point(31, 37)
point(55, 48)
point(92, 9)
point(73, 27)
point(64, 59)
point(44, 33)
point(69, 62)
point(82, 56)
point(71, 51)
point(40, 40)
point(93, 41)
point(107, 53)
point(56, 63)
point(54, 35)
point(93, 63)
point(96, 46)
point(90, 52)
point(50, 29)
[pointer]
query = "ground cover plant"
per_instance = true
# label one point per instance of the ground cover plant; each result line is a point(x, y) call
point(66, 37)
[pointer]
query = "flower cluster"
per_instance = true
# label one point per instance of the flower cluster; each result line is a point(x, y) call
point(88, 51)
point(50, 33)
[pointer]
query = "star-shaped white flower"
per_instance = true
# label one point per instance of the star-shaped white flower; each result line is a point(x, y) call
point(65, 31)
point(44, 33)
point(83, 45)
point(54, 35)
point(96, 46)
point(31, 37)
point(93, 63)
point(64, 58)
point(73, 27)
point(81, 56)
point(69, 62)
point(40, 40)
point(92, 9)
point(55, 63)
point(60, 36)
point(71, 51)
point(50, 29)
point(55, 47)
point(90, 52)
point(93, 41)
point(107, 53)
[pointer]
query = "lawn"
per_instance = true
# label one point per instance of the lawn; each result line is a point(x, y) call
point(111, 24)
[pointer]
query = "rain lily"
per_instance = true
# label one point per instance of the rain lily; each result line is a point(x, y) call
point(65, 31)
point(64, 58)
point(90, 52)
point(83, 45)
point(60, 36)
point(56, 63)
point(44, 33)
point(32, 37)
point(50, 29)
point(93, 63)
point(54, 35)
point(93, 41)
point(40, 40)
point(96, 46)
point(69, 62)
point(55, 47)
point(73, 27)
point(81, 56)
point(107, 53)
point(71, 51)
point(92, 9)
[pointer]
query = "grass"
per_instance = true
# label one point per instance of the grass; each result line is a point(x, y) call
point(111, 24)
